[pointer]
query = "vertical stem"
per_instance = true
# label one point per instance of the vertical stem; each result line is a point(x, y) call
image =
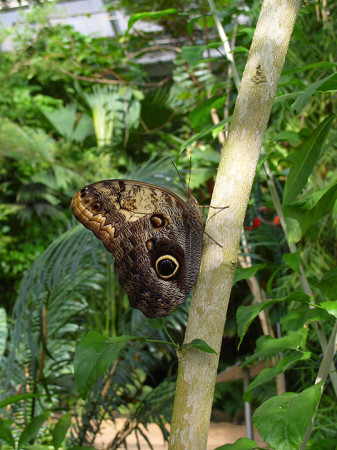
point(197, 370)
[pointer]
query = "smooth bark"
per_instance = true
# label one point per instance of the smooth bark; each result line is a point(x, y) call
point(197, 370)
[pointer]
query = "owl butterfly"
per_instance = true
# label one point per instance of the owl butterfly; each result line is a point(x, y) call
point(154, 236)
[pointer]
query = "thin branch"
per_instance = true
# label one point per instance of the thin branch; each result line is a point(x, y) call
point(225, 42)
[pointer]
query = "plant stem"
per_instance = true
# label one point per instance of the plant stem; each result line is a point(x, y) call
point(169, 336)
point(197, 370)
point(155, 341)
point(225, 43)
point(324, 371)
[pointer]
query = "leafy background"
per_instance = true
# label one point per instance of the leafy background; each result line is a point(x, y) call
point(60, 129)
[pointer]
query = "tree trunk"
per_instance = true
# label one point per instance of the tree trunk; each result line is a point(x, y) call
point(197, 370)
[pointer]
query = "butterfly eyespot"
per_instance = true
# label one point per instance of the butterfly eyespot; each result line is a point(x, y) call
point(84, 192)
point(157, 220)
point(96, 206)
point(167, 267)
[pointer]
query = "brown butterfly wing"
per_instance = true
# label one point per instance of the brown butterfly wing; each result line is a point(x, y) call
point(154, 236)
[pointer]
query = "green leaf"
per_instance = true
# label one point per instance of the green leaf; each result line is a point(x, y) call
point(301, 101)
point(329, 85)
point(293, 228)
point(305, 161)
point(330, 307)
point(293, 260)
point(282, 421)
point(6, 434)
point(268, 346)
point(290, 136)
point(240, 444)
point(159, 323)
point(202, 134)
point(295, 319)
point(245, 273)
point(60, 430)
point(200, 345)
point(270, 373)
point(328, 284)
point(93, 356)
point(246, 314)
point(193, 54)
point(320, 65)
point(200, 115)
point(3, 331)
point(18, 398)
point(153, 15)
point(308, 210)
point(32, 429)
point(240, 49)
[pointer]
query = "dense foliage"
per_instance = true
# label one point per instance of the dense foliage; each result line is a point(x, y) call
point(76, 109)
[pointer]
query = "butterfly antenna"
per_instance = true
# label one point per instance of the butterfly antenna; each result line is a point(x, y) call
point(187, 191)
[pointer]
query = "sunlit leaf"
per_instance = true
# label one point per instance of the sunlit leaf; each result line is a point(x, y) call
point(282, 421)
point(199, 344)
point(153, 15)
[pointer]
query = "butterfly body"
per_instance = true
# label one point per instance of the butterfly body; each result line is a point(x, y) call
point(154, 236)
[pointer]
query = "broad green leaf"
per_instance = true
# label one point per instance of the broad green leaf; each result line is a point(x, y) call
point(293, 260)
point(93, 356)
point(193, 54)
point(245, 273)
point(283, 420)
point(153, 15)
point(290, 136)
point(200, 345)
point(329, 85)
point(305, 161)
point(60, 430)
point(268, 346)
point(200, 115)
point(246, 314)
point(293, 229)
point(296, 318)
point(32, 429)
point(240, 444)
point(18, 398)
point(301, 101)
point(270, 373)
point(3, 331)
point(328, 284)
point(6, 434)
point(159, 323)
point(330, 307)
point(307, 211)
